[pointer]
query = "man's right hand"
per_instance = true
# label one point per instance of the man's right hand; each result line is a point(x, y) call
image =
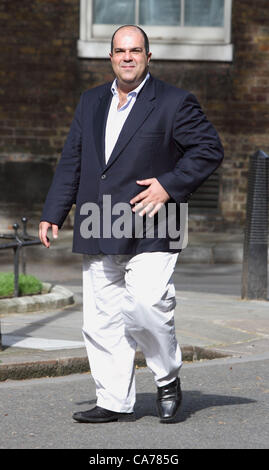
point(43, 231)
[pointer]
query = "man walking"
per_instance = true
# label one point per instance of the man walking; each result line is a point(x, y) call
point(141, 144)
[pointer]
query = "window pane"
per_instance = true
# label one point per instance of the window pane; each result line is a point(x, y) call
point(159, 12)
point(204, 13)
point(115, 12)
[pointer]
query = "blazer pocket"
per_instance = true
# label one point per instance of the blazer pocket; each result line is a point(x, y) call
point(151, 135)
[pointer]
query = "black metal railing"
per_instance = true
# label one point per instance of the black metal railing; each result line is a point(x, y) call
point(19, 241)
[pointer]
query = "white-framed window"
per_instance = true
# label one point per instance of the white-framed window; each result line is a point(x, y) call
point(177, 29)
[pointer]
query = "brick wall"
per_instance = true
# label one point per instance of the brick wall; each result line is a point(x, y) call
point(244, 113)
point(41, 79)
point(38, 76)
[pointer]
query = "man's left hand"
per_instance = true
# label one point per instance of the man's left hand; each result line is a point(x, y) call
point(151, 199)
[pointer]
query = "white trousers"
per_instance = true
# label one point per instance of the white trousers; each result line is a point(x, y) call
point(128, 301)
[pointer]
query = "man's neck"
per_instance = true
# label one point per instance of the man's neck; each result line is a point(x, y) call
point(123, 89)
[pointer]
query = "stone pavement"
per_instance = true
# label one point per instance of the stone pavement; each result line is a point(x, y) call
point(211, 319)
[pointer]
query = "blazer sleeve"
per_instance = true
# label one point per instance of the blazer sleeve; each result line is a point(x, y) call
point(199, 146)
point(63, 190)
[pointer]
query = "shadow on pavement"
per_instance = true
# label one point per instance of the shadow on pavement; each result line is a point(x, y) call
point(192, 402)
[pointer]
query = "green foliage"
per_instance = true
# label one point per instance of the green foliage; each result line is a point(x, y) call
point(28, 285)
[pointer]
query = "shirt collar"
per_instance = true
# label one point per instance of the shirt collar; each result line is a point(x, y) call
point(134, 92)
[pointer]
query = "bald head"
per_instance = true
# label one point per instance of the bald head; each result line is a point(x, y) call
point(134, 28)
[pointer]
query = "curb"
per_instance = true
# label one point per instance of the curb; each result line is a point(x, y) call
point(57, 297)
point(78, 365)
point(207, 253)
point(225, 253)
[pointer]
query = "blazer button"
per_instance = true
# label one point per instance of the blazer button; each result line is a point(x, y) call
point(103, 177)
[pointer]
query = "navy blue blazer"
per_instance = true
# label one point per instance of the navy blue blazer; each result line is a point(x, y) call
point(166, 136)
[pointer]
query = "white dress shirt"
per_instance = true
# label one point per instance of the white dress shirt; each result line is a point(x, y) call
point(117, 117)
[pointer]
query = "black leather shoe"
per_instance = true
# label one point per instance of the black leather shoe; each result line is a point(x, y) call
point(101, 415)
point(168, 401)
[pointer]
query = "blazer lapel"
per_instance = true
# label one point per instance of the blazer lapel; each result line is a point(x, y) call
point(139, 113)
point(99, 124)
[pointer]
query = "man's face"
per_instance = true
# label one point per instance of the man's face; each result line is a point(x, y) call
point(129, 59)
